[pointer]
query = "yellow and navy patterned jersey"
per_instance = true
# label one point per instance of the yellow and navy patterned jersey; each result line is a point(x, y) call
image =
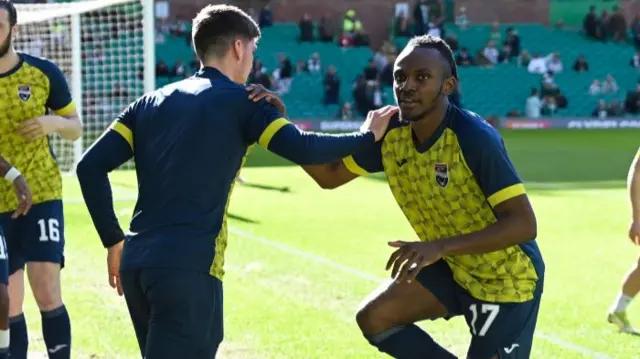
point(448, 186)
point(189, 140)
point(30, 90)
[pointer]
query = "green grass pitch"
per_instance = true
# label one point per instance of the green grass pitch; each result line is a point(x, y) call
point(300, 262)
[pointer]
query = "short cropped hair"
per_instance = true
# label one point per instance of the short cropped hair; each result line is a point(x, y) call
point(11, 9)
point(216, 27)
point(432, 42)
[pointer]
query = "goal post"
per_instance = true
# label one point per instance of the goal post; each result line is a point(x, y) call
point(106, 49)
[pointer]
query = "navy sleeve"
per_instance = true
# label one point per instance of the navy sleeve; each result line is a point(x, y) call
point(123, 125)
point(272, 131)
point(487, 158)
point(109, 152)
point(59, 99)
point(365, 162)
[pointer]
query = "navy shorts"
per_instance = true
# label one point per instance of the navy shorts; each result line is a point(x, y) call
point(505, 329)
point(36, 237)
point(4, 261)
point(176, 313)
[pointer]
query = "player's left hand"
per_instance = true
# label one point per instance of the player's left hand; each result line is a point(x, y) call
point(411, 257)
point(38, 127)
point(258, 92)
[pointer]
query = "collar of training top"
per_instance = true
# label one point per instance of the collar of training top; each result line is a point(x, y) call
point(209, 72)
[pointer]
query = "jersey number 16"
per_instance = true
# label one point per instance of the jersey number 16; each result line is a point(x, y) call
point(49, 232)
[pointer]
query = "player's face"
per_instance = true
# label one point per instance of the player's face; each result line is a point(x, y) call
point(421, 82)
point(6, 32)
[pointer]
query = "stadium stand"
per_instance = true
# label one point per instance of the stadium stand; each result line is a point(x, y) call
point(495, 90)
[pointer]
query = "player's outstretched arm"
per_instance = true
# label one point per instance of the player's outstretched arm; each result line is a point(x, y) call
point(108, 153)
point(331, 175)
point(633, 184)
point(267, 126)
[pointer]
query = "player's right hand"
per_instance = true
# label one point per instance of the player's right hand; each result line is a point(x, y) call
point(377, 121)
point(113, 266)
point(634, 232)
point(24, 197)
point(258, 92)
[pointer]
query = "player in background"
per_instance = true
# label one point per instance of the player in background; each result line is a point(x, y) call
point(451, 176)
point(23, 194)
point(631, 285)
point(29, 87)
point(189, 140)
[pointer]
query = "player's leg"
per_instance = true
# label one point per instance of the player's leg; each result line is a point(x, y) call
point(630, 288)
point(42, 231)
point(18, 336)
point(4, 298)
point(500, 330)
point(388, 315)
point(138, 305)
point(186, 313)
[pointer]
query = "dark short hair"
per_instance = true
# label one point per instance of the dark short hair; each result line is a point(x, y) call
point(216, 27)
point(432, 42)
point(11, 9)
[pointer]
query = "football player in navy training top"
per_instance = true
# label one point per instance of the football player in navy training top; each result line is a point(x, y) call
point(189, 140)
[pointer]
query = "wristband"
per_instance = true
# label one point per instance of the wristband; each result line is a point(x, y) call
point(12, 174)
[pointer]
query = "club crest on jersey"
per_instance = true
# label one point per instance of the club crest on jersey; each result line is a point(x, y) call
point(24, 92)
point(442, 174)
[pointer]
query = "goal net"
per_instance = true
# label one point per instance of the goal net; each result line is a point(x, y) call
point(106, 50)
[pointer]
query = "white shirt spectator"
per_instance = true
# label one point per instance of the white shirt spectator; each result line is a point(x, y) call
point(491, 53)
point(609, 85)
point(595, 88)
point(461, 19)
point(635, 61)
point(402, 9)
point(314, 65)
point(555, 64)
point(533, 106)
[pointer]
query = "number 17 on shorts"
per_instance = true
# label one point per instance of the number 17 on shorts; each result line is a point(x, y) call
point(503, 329)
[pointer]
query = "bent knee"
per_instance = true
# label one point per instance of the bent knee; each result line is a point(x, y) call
point(373, 320)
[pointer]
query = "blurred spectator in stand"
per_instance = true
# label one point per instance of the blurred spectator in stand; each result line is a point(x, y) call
point(421, 17)
point(306, 29)
point(595, 88)
point(331, 85)
point(610, 85)
point(491, 53)
point(632, 101)
point(462, 21)
point(495, 35)
point(513, 41)
point(635, 31)
point(313, 64)
point(402, 27)
point(360, 96)
point(326, 28)
point(371, 72)
point(635, 60)
point(505, 54)
point(284, 75)
point(302, 67)
point(618, 25)
point(346, 112)
point(464, 58)
point(591, 24)
point(581, 64)
point(554, 63)
point(548, 106)
point(601, 110)
point(614, 109)
point(386, 75)
point(533, 104)
point(162, 70)
point(603, 25)
point(179, 70)
point(265, 17)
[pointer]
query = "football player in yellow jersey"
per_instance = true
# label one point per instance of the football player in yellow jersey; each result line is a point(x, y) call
point(30, 87)
point(631, 284)
point(13, 176)
point(476, 256)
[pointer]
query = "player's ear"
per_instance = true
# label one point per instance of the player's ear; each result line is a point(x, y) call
point(450, 85)
point(238, 49)
point(14, 31)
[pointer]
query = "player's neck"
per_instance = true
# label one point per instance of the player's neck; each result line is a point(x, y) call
point(9, 61)
point(425, 128)
point(222, 67)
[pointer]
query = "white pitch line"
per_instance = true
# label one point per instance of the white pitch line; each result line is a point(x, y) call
point(364, 275)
